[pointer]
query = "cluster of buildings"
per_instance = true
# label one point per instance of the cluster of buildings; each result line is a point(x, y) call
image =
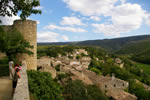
point(78, 69)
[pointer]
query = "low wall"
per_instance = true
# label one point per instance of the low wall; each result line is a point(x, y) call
point(2, 55)
point(22, 90)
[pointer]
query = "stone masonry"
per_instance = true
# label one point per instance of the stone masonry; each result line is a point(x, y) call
point(28, 29)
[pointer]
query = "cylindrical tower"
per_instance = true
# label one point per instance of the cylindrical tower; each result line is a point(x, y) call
point(28, 29)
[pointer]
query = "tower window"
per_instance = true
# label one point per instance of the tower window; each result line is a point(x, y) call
point(114, 85)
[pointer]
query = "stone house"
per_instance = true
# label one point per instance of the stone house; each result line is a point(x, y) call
point(111, 83)
point(43, 61)
point(80, 76)
point(119, 62)
point(74, 62)
point(121, 95)
point(46, 68)
point(80, 51)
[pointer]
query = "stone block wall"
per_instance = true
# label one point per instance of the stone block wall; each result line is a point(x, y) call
point(107, 83)
point(22, 90)
point(28, 29)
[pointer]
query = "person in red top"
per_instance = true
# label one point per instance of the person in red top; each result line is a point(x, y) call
point(16, 77)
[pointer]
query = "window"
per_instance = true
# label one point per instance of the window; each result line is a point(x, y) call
point(123, 84)
point(114, 85)
point(105, 86)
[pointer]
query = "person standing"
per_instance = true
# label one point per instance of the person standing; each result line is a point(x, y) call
point(11, 70)
point(15, 78)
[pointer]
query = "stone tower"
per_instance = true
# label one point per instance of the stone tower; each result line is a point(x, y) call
point(28, 29)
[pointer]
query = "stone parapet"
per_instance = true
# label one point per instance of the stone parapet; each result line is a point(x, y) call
point(22, 90)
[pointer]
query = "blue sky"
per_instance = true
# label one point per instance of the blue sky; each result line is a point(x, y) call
point(77, 20)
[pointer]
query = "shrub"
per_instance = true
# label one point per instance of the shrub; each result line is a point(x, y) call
point(76, 90)
point(42, 86)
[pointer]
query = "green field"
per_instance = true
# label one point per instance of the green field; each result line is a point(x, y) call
point(145, 67)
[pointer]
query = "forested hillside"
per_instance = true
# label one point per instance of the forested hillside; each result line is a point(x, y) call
point(135, 47)
point(111, 45)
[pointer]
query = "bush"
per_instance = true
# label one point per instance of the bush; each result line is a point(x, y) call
point(4, 67)
point(96, 71)
point(57, 67)
point(138, 90)
point(42, 86)
point(76, 90)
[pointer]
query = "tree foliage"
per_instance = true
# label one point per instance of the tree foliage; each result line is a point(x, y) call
point(76, 90)
point(12, 43)
point(42, 86)
point(12, 7)
point(138, 90)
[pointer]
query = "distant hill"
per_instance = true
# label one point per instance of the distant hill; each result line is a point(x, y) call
point(111, 45)
point(136, 47)
point(143, 56)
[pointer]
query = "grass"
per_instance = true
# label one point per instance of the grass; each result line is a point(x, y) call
point(145, 67)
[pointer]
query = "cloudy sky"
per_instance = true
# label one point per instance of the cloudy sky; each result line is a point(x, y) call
point(77, 20)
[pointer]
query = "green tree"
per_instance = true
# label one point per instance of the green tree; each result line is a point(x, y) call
point(42, 86)
point(12, 7)
point(12, 43)
point(138, 90)
point(76, 90)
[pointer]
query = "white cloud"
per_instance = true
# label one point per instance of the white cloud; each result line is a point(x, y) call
point(91, 7)
point(38, 22)
point(95, 18)
point(148, 22)
point(47, 36)
point(39, 7)
point(8, 20)
point(123, 17)
point(64, 37)
point(123, 1)
point(112, 29)
point(71, 21)
point(70, 29)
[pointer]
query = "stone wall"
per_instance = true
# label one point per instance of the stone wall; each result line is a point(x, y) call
point(28, 29)
point(22, 90)
point(110, 83)
point(2, 55)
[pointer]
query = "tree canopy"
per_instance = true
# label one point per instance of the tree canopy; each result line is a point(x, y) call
point(43, 87)
point(24, 7)
point(12, 43)
point(77, 90)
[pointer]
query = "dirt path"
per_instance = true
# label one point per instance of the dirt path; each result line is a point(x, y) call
point(5, 88)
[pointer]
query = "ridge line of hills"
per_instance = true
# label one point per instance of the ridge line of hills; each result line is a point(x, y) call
point(112, 45)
